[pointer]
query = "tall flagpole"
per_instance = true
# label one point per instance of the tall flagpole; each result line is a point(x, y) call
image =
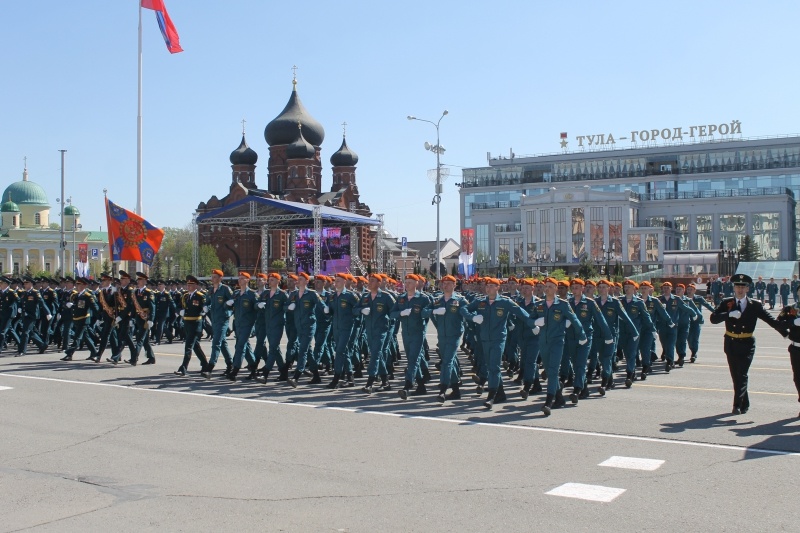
point(139, 127)
point(139, 124)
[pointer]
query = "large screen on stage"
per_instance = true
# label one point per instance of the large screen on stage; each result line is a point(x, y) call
point(334, 251)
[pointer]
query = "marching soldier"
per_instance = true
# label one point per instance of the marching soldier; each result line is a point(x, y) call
point(677, 311)
point(449, 311)
point(106, 301)
point(304, 304)
point(740, 315)
point(615, 315)
point(31, 307)
point(375, 305)
point(344, 308)
point(594, 326)
point(9, 301)
point(260, 328)
point(193, 306)
point(684, 324)
point(789, 318)
point(245, 313)
point(165, 311)
point(124, 309)
point(528, 343)
point(143, 301)
point(66, 303)
point(273, 303)
point(220, 313)
point(411, 309)
point(696, 326)
point(640, 316)
point(85, 306)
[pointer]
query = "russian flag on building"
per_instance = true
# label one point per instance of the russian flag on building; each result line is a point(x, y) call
point(165, 24)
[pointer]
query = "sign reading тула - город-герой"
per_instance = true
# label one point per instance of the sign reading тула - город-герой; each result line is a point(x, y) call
point(653, 135)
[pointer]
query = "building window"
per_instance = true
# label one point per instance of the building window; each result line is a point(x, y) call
point(578, 233)
point(46, 267)
point(731, 231)
point(37, 219)
point(766, 234)
point(682, 228)
point(704, 232)
point(14, 221)
point(560, 223)
point(517, 256)
point(615, 230)
point(503, 255)
point(16, 269)
point(544, 233)
point(482, 243)
point(651, 247)
point(634, 247)
point(596, 232)
point(531, 233)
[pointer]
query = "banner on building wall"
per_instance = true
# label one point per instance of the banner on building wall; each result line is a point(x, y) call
point(466, 259)
point(82, 265)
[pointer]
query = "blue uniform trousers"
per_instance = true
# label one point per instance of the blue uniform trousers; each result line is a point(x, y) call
point(493, 355)
point(529, 354)
point(577, 356)
point(448, 374)
point(630, 349)
point(376, 341)
point(242, 348)
point(412, 345)
point(668, 337)
point(219, 343)
point(342, 363)
point(304, 351)
point(694, 337)
point(551, 353)
point(274, 349)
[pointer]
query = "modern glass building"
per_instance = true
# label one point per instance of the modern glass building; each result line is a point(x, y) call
point(637, 203)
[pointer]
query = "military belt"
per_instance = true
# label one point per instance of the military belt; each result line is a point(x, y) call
point(795, 344)
point(193, 318)
point(738, 335)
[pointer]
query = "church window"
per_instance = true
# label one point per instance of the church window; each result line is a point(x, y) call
point(37, 219)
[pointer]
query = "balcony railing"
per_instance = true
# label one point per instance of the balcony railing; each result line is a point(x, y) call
point(494, 205)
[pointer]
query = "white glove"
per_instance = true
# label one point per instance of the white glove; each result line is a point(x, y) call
point(478, 319)
point(58, 316)
point(19, 310)
point(735, 314)
point(69, 305)
point(636, 338)
point(97, 324)
point(205, 309)
point(511, 326)
point(291, 307)
point(797, 321)
point(694, 317)
point(672, 325)
point(326, 310)
point(261, 305)
point(365, 311)
point(405, 312)
point(655, 336)
point(539, 321)
point(536, 330)
point(149, 323)
point(113, 289)
point(183, 312)
point(439, 311)
point(569, 323)
point(610, 341)
point(118, 319)
point(48, 317)
point(582, 342)
point(229, 303)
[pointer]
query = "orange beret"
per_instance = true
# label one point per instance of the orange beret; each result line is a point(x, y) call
point(244, 274)
point(563, 283)
point(604, 282)
point(275, 275)
point(293, 276)
point(376, 276)
point(591, 283)
point(261, 275)
point(578, 281)
point(218, 272)
point(554, 281)
point(303, 275)
point(680, 285)
point(692, 285)
point(631, 282)
point(618, 284)
point(493, 281)
point(512, 278)
point(449, 278)
point(527, 282)
point(645, 283)
point(666, 284)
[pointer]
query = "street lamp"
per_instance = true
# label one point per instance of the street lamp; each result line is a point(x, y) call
point(608, 255)
point(437, 197)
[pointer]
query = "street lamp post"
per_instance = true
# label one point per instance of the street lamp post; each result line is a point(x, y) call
point(437, 197)
point(608, 255)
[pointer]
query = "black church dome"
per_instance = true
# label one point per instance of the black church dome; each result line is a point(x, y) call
point(244, 155)
point(344, 156)
point(283, 128)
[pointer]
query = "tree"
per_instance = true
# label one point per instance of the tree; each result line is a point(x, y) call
point(278, 264)
point(55, 225)
point(207, 260)
point(749, 251)
point(106, 266)
point(229, 268)
point(587, 268)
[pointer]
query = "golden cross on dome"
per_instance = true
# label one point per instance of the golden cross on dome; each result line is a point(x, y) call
point(294, 74)
point(344, 129)
point(243, 122)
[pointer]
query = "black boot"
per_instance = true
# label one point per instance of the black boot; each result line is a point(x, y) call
point(559, 399)
point(426, 374)
point(385, 385)
point(629, 379)
point(584, 393)
point(315, 378)
point(232, 374)
point(403, 393)
point(489, 403)
point(359, 373)
point(500, 397)
point(536, 388)
point(455, 393)
point(292, 381)
point(481, 382)
point(575, 395)
point(349, 381)
point(601, 390)
point(334, 384)
point(368, 387)
point(421, 389)
point(442, 389)
point(548, 404)
point(526, 390)
point(645, 371)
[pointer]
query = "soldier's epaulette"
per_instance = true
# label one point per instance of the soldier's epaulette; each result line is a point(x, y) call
point(200, 292)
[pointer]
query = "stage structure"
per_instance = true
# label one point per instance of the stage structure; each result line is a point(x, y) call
point(255, 213)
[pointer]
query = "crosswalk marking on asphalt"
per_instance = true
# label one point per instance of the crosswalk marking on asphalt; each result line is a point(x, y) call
point(593, 493)
point(6, 388)
point(632, 463)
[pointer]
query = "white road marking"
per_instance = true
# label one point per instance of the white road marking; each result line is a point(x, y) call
point(632, 463)
point(6, 388)
point(421, 417)
point(594, 493)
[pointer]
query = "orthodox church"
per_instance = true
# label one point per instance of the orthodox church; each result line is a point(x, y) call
point(294, 173)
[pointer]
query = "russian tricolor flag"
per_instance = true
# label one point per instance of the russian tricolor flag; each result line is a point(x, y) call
point(165, 24)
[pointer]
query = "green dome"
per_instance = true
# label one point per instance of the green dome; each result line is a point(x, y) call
point(27, 193)
point(72, 211)
point(9, 207)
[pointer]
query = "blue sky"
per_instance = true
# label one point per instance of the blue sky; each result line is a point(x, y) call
point(511, 75)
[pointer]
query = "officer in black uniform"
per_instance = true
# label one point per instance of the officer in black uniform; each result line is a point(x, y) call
point(740, 315)
point(789, 318)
